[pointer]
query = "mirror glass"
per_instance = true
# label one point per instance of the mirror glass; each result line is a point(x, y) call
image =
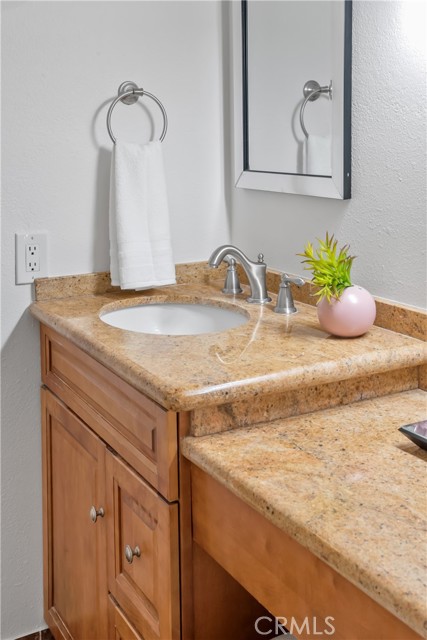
point(293, 96)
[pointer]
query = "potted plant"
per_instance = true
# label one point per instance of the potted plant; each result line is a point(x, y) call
point(343, 309)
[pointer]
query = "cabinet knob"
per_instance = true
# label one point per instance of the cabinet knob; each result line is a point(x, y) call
point(131, 553)
point(94, 513)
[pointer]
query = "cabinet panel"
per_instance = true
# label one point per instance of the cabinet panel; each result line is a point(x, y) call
point(137, 428)
point(120, 627)
point(144, 527)
point(75, 597)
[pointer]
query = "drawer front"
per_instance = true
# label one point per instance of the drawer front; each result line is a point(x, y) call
point(143, 562)
point(133, 425)
point(120, 627)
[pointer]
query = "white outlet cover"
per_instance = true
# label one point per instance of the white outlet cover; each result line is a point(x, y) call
point(22, 240)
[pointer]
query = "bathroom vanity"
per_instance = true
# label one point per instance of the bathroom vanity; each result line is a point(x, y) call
point(110, 492)
point(142, 542)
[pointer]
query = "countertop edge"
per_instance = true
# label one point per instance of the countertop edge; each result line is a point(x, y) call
point(411, 355)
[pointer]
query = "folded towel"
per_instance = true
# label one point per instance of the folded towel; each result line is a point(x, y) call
point(140, 246)
point(317, 152)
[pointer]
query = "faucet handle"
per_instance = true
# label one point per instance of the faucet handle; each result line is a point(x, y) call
point(291, 279)
point(232, 284)
point(285, 301)
point(260, 258)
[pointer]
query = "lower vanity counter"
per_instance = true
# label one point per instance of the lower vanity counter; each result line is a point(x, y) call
point(343, 483)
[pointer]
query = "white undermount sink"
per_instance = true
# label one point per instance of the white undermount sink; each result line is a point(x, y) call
point(174, 319)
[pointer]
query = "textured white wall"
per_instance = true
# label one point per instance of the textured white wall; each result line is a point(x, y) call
point(385, 221)
point(61, 64)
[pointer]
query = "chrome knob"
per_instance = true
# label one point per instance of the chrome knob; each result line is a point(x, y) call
point(131, 553)
point(94, 513)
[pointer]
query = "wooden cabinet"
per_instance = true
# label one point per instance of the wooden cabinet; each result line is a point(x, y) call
point(111, 554)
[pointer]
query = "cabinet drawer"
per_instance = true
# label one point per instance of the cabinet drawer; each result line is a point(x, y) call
point(143, 562)
point(133, 425)
point(120, 627)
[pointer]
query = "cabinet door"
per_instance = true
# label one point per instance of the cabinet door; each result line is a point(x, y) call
point(142, 552)
point(75, 593)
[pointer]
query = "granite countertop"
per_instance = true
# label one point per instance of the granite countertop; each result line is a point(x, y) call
point(357, 488)
point(270, 354)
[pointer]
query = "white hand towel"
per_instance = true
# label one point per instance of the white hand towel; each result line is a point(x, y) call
point(317, 152)
point(140, 245)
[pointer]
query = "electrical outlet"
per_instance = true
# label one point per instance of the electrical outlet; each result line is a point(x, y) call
point(30, 257)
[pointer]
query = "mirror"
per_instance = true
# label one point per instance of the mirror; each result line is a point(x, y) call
point(292, 96)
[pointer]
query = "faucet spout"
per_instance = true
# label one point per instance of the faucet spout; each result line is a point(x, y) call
point(256, 271)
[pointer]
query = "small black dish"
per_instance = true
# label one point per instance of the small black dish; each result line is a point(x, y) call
point(417, 432)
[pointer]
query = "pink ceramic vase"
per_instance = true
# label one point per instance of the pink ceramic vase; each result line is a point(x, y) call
point(350, 316)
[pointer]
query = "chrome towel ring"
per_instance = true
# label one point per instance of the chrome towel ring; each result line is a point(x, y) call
point(129, 93)
point(312, 91)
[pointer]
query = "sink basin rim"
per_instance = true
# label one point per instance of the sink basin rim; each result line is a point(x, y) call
point(183, 317)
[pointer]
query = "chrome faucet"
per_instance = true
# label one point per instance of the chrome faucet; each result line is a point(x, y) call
point(255, 271)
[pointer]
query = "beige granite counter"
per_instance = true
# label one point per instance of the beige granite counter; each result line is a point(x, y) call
point(268, 355)
point(346, 484)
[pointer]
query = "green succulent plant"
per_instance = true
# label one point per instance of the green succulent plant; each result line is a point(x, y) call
point(331, 270)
